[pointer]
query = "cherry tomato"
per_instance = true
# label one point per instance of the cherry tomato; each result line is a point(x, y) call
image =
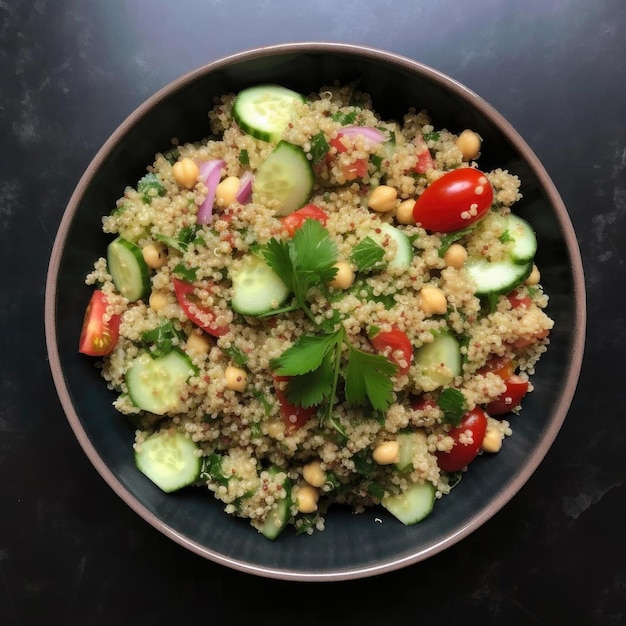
point(424, 158)
point(418, 403)
point(456, 200)
point(294, 416)
point(389, 343)
point(97, 337)
point(518, 301)
point(294, 220)
point(463, 454)
point(499, 365)
point(356, 169)
point(516, 389)
point(200, 316)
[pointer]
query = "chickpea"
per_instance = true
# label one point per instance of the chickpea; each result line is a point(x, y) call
point(306, 498)
point(432, 300)
point(469, 143)
point(455, 256)
point(344, 277)
point(383, 199)
point(157, 301)
point(314, 474)
point(534, 277)
point(492, 441)
point(404, 212)
point(226, 191)
point(236, 378)
point(154, 255)
point(387, 453)
point(186, 173)
point(198, 343)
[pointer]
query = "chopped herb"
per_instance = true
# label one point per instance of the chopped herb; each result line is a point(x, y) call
point(181, 241)
point(319, 148)
point(256, 432)
point(365, 291)
point(161, 340)
point(376, 490)
point(363, 463)
point(118, 210)
point(345, 119)
point(267, 406)
point(431, 136)
point(237, 356)
point(149, 187)
point(367, 254)
point(532, 291)
point(376, 161)
point(448, 239)
point(211, 469)
point(244, 157)
point(505, 237)
point(452, 402)
point(305, 260)
point(188, 274)
point(305, 523)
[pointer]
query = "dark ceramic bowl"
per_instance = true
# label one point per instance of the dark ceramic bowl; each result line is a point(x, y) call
point(352, 546)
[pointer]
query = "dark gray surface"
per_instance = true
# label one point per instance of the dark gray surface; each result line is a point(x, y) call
point(71, 551)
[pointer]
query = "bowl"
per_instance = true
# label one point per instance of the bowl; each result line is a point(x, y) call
point(351, 546)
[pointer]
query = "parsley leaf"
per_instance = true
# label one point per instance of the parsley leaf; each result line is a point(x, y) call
point(181, 241)
point(150, 186)
point(368, 376)
point(434, 136)
point(305, 355)
point(160, 340)
point(244, 158)
point(188, 274)
point(345, 119)
point(312, 388)
point(448, 239)
point(505, 237)
point(452, 402)
point(319, 147)
point(367, 254)
point(238, 357)
point(302, 262)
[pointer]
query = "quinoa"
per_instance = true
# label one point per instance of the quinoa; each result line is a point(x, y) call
point(255, 447)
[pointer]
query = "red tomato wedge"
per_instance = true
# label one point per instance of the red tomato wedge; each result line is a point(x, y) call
point(98, 337)
point(463, 454)
point(294, 416)
point(357, 169)
point(396, 346)
point(200, 316)
point(294, 220)
point(424, 157)
point(516, 389)
point(455, 201)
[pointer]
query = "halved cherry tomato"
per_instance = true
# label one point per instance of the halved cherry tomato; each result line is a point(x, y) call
point(516, 389)
point(518, 301)
point(389, 343)
point(294, 220)
point(499, 365)
point(463, 454)
point(424, 157)
point(456, 200)
point(200, 316)
point(294, 416)
point(97, 337)
point(418, 403)
point(356, 169)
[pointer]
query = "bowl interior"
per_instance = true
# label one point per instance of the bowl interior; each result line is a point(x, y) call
point(351, 546)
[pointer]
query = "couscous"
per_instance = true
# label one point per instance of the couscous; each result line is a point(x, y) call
point(316, 306)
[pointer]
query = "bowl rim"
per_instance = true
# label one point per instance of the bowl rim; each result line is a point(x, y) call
point(503, 126)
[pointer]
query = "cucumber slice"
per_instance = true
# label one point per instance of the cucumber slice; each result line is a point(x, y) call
point(279, 516)
point(404, 250)
point(129, 271)
point(257, 289)
point(413, 505)
point(525, 240)
point(286, 176)
point(265, 110)
point(440, 360)
point(497, 277)
point(155, 385)
point(410, 444)
point(169, 460)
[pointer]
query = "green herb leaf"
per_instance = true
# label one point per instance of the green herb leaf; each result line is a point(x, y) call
point(211, 469)
point(345, 118)
point(312, 388)
point(505, 237)
point(319, 148)
point(368, 377)
point(160, 340)
point(365, 291)
point(367, 254)
point(377, 161)
point(237, 356)
point(150, 186)
point(452, 402)
point(431, 136)
point(188, 274)
point(244, 158)
point(181, 241)
point(306, 354)
point(448, 239)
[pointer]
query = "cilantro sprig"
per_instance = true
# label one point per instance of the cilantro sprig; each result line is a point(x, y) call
point(315, 364)
point(305, 260)
point(452, 402)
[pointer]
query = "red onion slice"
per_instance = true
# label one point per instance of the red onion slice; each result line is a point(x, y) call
point(210, 172)
point(245, 187)
point(372, 134)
